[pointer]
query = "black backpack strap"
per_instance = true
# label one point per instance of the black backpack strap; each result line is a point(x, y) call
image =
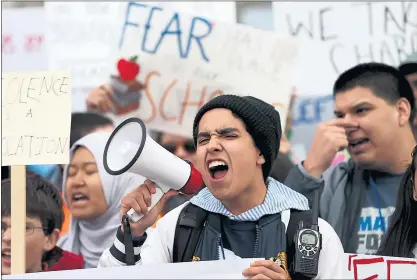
point(187, 232)
point(295, 218)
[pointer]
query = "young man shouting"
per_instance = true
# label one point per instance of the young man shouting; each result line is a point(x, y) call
point(247, 212)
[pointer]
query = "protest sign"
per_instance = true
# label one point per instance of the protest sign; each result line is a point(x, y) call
point(23, 40)
point(82, 37)
point(354, 267)
point(36, 117)
point(36, 120)
point(378, 267)
point(212, 10)
point(307, 113)
point(184, 61)
point(335, 36)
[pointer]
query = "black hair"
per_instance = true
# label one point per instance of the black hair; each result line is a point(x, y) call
point(158, 136)
point(401, 235)
point(43, 201)
point(84, 123)
point(385, 82)
point(408, 68)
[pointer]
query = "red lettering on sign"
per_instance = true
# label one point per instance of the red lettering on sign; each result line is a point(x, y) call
point(365, 262)
point(33, 43)
point(391, 262)
point(350, 261)
point(193, 98)
point(7, 45)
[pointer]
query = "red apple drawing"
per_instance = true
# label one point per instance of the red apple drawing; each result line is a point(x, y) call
point(128, 69)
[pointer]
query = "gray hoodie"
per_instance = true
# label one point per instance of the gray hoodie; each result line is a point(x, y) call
point(347, 201)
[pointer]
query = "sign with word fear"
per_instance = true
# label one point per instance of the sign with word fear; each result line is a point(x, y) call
point(171, 63)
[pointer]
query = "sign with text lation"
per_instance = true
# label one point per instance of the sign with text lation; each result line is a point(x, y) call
point(36, 117)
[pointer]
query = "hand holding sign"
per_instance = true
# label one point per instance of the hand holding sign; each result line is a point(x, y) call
point(265, 269)
point(126, 90)
point(100, 99)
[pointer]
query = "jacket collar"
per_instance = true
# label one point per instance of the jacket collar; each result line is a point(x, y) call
point(278, 198)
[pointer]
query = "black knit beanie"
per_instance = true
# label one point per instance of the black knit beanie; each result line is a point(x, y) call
point(261, 119)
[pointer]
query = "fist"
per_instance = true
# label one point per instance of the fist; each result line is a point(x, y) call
point(99, 99)
point(330, 138)
point(140, 199)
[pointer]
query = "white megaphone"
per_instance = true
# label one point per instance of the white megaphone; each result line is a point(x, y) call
point(130, 149)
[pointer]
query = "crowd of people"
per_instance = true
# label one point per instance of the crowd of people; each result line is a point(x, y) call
point(253, 191)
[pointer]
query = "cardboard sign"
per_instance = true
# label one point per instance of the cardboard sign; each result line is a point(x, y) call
point(336, 36)
point(36, 117)
point(184, 61)
point(356, 267)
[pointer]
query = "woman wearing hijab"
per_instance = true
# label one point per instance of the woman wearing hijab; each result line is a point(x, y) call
point(93, 197)
point(401, 237)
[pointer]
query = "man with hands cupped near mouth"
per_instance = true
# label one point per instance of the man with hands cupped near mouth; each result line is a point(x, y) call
point(242, 212)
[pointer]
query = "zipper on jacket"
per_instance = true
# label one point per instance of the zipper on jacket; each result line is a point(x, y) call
point(256, 241)
point(219, 239)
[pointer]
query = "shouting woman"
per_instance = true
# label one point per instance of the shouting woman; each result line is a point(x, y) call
point(93, 197)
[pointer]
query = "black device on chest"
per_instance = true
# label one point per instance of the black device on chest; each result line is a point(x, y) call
point(308, 244)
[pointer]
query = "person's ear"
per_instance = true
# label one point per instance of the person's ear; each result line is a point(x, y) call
point(51, 240)
point(404, 111)
point(261, 159)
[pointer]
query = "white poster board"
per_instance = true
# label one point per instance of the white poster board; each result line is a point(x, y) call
point(23, 40)
point(356, 267)
point(335, 36)
point(187, 60)
point(213, 10)
point(36, 117)
point(377, 267)
point(82, 37)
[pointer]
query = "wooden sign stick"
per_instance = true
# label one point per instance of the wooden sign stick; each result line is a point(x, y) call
point(18, 219)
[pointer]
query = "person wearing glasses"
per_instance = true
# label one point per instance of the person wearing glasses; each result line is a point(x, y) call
point(44, 218)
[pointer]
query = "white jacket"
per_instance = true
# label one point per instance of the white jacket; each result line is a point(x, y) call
point(158, 246)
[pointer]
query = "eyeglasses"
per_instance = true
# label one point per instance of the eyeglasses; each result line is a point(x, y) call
point(172, 147)
point(30, 229)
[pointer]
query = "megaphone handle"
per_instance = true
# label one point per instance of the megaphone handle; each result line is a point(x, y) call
point(134, 217)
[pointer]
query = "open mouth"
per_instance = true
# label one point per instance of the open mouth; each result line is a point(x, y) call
point(6, 255)
point(77, 197)
point(218, 169)
point(358, 142)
